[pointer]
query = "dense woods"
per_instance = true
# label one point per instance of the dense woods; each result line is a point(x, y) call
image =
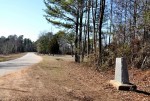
point(16, 44)
point(105, 29)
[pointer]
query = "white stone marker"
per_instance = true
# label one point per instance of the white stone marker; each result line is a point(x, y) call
point(121, 81)
point(121, 72)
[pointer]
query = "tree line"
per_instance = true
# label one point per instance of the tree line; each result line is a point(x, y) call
point(58, 43)
point(105, 29)
point(47, 43)
point(16, 44)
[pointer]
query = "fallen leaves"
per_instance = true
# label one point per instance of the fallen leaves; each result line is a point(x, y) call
point(55, 80)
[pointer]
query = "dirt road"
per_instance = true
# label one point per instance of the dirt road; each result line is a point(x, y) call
point(13, 65)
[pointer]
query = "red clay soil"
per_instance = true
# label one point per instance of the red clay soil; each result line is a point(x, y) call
point(56, 79)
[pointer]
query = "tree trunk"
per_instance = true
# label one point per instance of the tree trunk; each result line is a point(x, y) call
point(80, 30)
point(76, 38)
point(88, 28)
point(94, 13)
point(111, 15)
point(134, 19)
point(84, 42)
point(102, 8)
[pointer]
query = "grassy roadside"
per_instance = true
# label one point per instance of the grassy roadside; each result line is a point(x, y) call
point(11, 56)
point(58, 78)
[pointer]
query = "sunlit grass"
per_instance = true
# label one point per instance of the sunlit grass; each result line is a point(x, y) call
point(54, 66)
point(11, 56)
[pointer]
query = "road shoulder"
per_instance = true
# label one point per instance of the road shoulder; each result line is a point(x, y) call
point(60, 79)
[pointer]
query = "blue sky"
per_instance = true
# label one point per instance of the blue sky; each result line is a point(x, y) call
point(23, 17)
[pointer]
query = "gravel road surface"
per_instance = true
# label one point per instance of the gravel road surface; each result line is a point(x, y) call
point(13, 65)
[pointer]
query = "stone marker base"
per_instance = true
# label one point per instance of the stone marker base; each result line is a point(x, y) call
point(121, 86)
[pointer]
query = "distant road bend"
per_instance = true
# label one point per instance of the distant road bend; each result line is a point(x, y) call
point(16, 64)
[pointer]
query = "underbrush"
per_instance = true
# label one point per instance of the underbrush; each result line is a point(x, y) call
point(139, 59)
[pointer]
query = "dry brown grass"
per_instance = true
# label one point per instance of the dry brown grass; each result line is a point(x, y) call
point(11, 56)
point(60, 79)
